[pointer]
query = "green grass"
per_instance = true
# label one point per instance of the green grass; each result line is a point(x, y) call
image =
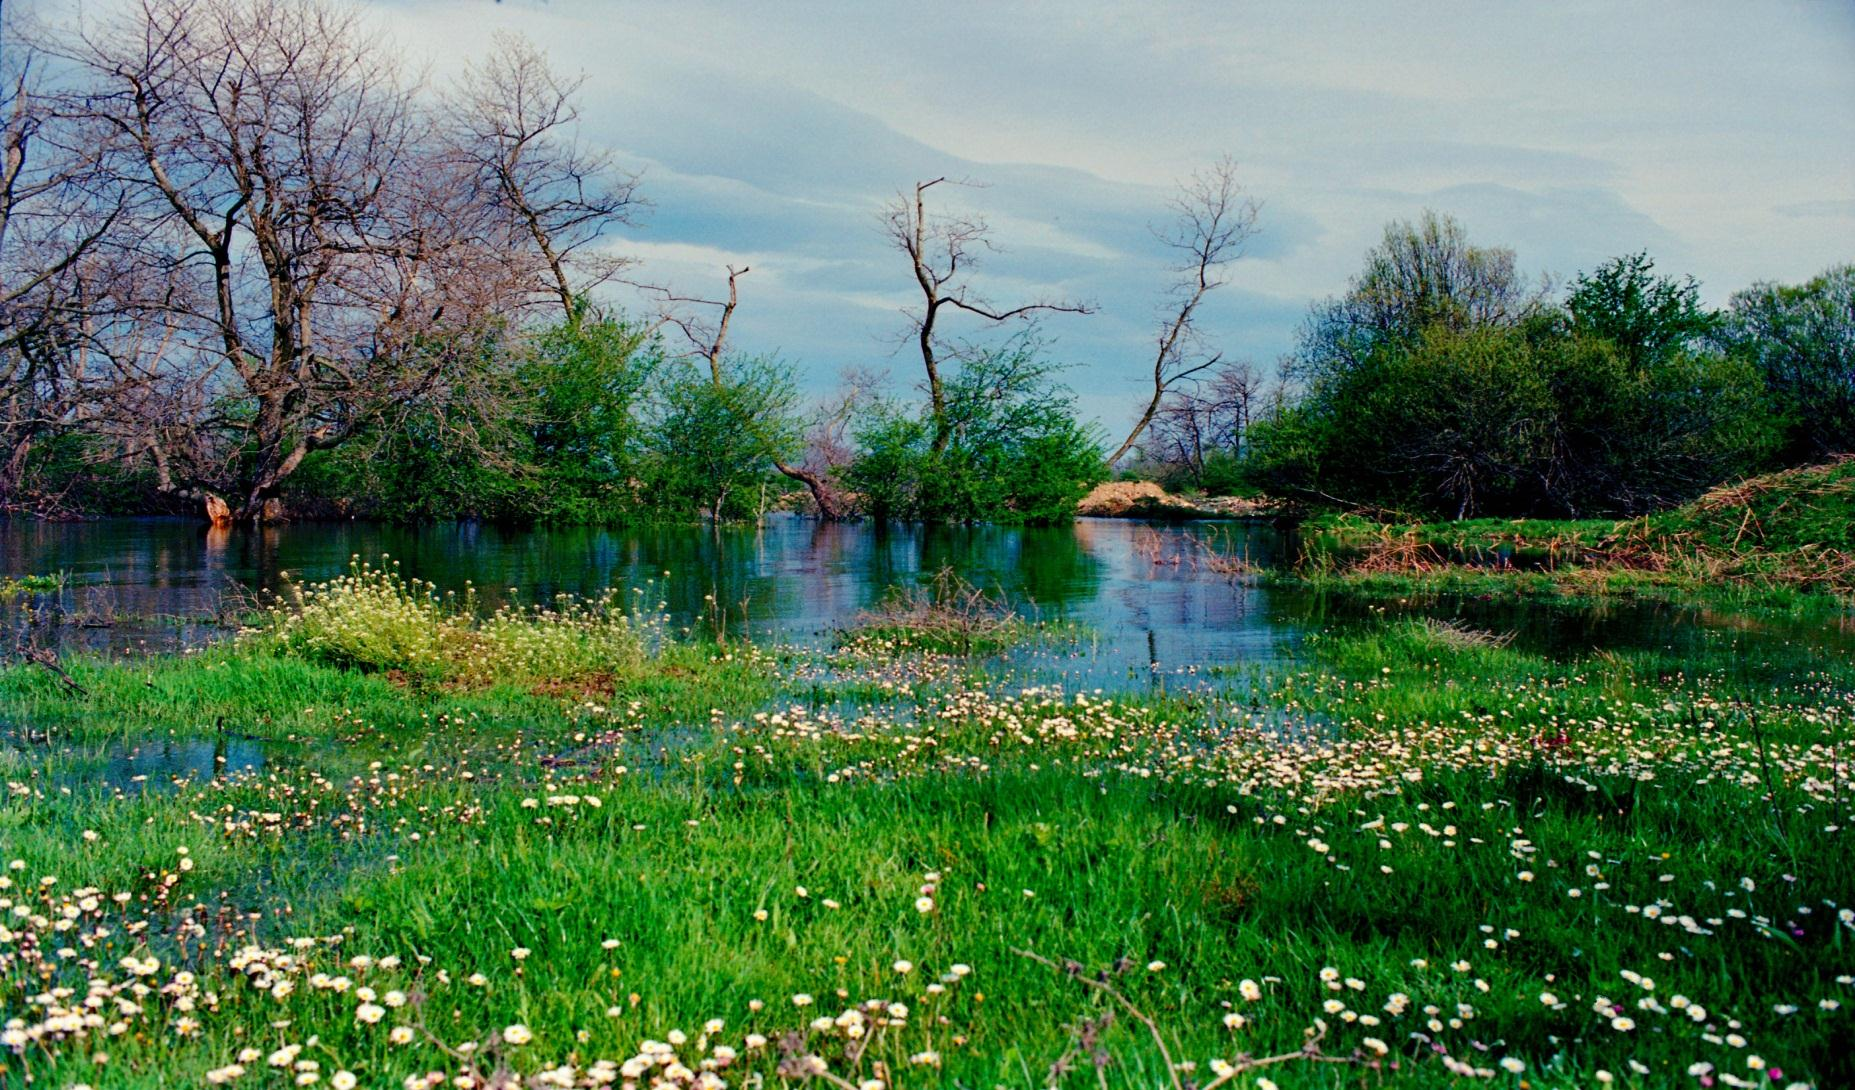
point(12, 586)
point(1782, 540)
point(1419, 841)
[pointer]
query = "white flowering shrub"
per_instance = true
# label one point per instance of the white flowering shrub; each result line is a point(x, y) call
point(373, 618)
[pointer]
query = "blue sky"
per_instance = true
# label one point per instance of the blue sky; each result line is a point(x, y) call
point(1720, 137)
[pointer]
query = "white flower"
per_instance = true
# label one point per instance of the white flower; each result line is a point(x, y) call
point(517, 1034)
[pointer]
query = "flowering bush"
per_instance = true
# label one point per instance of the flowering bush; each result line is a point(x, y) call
point(375, 619)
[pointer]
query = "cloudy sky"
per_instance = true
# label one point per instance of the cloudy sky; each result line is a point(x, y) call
point(1720, 137)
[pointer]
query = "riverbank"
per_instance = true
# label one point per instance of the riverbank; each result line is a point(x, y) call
point(1147, 500)
point(1778, 538)
point(573, 847)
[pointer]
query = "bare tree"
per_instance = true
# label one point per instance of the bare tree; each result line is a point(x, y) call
point(707, 329)
point(55, 212)
point(301, 259)
point(1208, 414)
point(511, 121)
point(942, 251)
point(1214, 220)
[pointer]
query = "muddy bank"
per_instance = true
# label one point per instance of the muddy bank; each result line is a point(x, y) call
point(1146, 500)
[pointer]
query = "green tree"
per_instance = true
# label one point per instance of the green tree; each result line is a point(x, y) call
point(1802, 341)
point(581, 385)
point(1014, 449)
point(1451, 390)
point(550, 432)
point(714, 438)
point(1420, 275)
point(1646, 316)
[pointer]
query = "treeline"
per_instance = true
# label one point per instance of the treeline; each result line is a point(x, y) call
point(1445, 383)
point(249, 266)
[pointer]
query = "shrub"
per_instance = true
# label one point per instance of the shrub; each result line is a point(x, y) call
point(1015, 453)
point(376, 620)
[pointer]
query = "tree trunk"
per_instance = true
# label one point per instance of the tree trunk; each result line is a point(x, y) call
point(1152, 408)
point(830, 507)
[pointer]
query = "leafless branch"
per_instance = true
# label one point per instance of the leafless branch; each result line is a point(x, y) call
point(942, 251)
point(1213, 222)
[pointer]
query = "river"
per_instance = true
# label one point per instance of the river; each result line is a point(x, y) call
point(1143, 593)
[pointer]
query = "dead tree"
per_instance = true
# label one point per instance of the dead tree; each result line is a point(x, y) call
point(942, 250)
point(55, 211)
point(1210, 413)
point(511, 121)
point(1214, 220)
point(312, 259)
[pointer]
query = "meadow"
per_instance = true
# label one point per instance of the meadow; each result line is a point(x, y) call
point(385, 838)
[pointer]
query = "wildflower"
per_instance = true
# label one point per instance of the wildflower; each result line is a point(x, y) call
point(924, 905)
point(517, 1034)
point(1249, 990)
point(343, 1080)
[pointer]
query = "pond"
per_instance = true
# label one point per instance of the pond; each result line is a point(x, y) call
point(1144, 593)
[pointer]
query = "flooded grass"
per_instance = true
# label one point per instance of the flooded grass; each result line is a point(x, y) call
point(1422, 852)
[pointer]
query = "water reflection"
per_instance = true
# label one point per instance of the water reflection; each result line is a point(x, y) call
point(1146, 592)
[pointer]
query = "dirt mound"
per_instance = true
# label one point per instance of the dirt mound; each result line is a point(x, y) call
point(1137, 499)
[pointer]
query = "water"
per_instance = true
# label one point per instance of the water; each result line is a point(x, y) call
point(1143, 592)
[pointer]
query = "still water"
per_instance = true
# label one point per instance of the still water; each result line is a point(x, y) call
point(1143, 592)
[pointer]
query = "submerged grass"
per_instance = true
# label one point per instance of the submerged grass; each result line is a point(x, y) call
point(949, 616)
point(1421, 855)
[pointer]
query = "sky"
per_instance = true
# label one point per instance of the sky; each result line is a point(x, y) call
point(1719, 137)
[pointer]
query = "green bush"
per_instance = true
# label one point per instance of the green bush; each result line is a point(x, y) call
point(1617, 405)
point(1015, 452)
point(712, 443)
point(374, 619)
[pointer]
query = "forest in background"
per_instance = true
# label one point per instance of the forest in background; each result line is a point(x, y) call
point(250, 266)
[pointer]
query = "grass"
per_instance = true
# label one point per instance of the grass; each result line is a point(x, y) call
point(949, 616)
point(1776, 539)
point(1422, 854)
point(12, 586)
